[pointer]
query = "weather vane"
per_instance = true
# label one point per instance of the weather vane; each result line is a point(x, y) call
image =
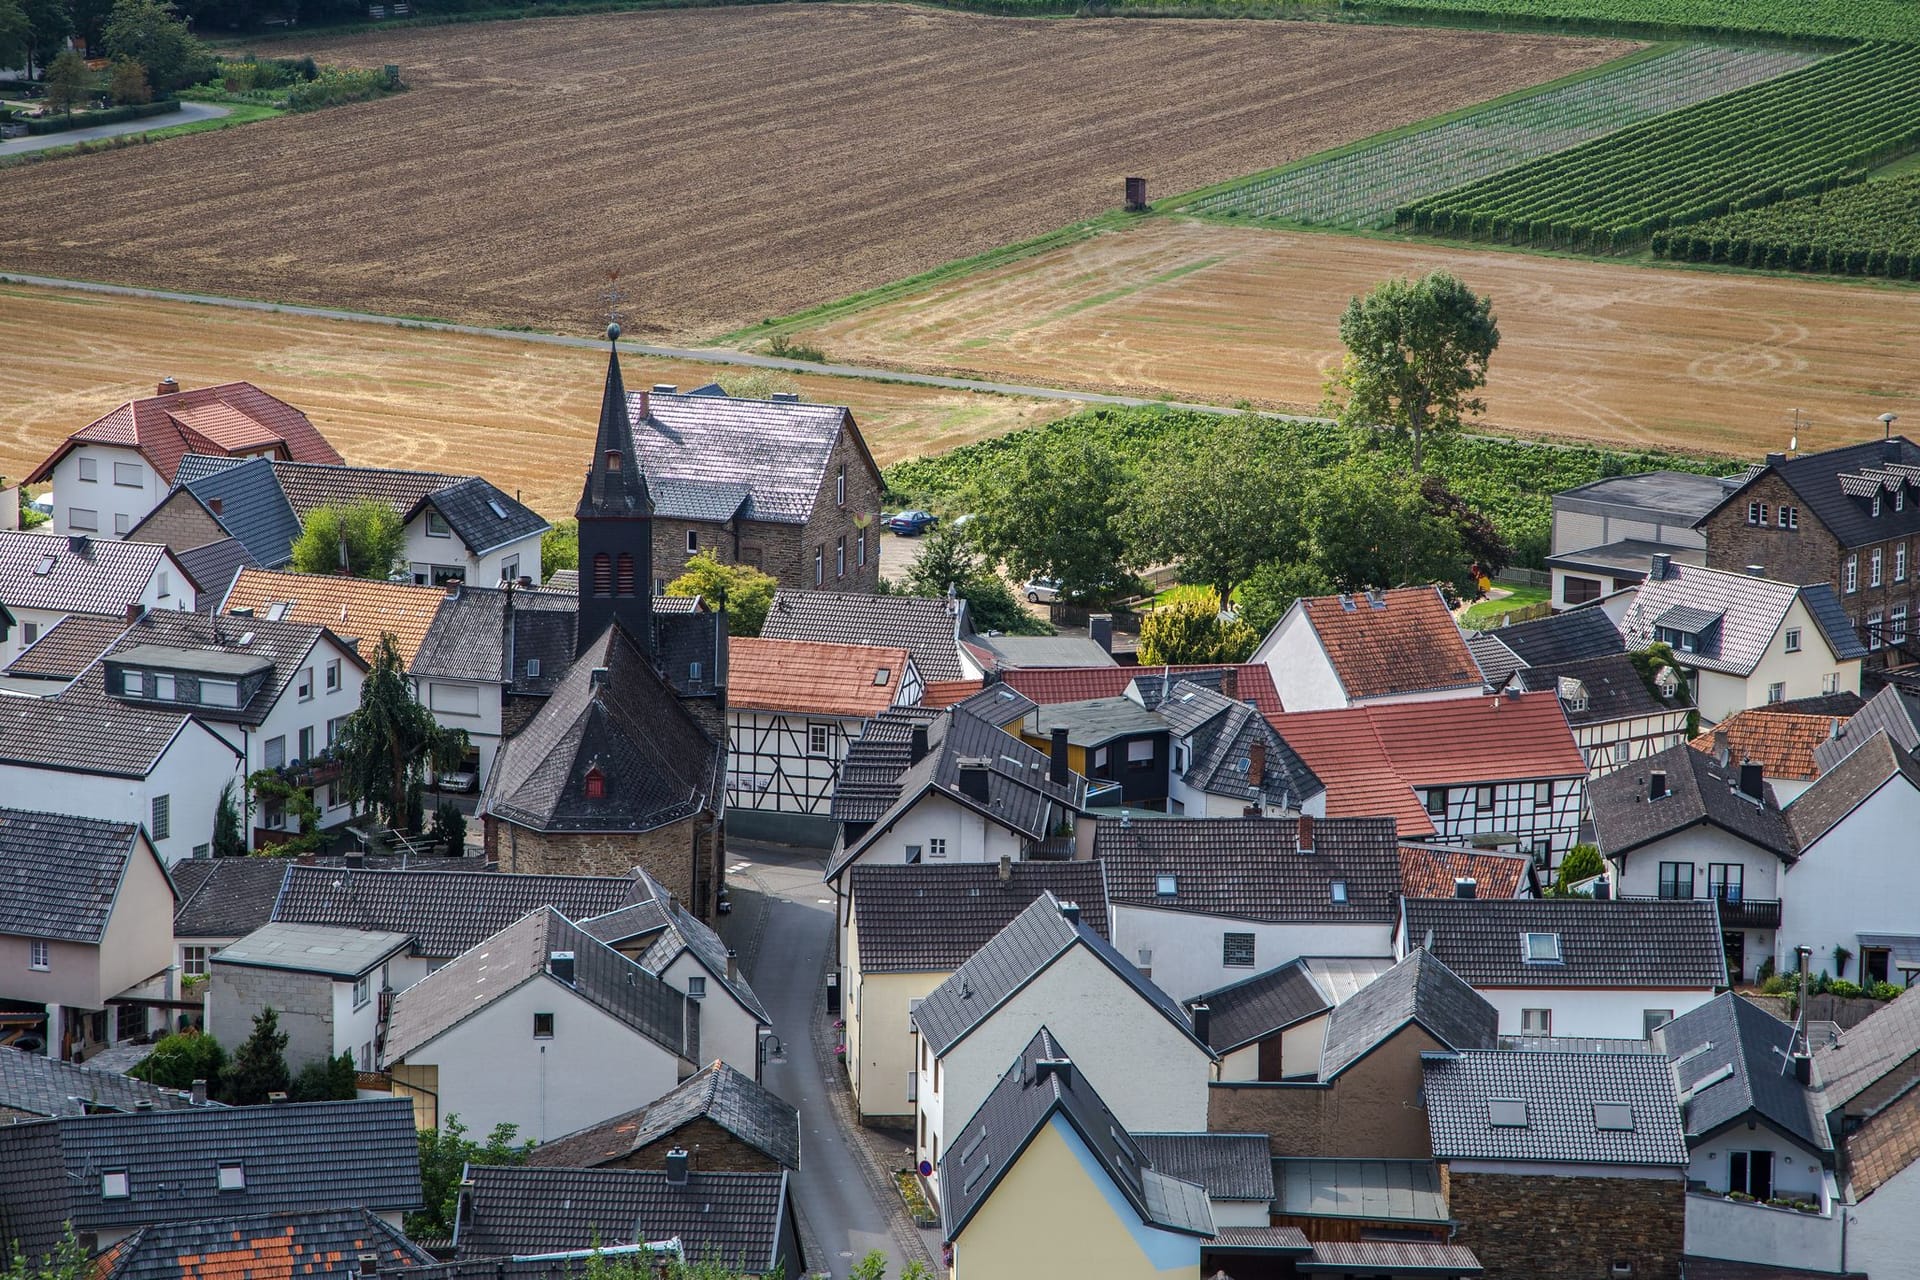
point(613, 298)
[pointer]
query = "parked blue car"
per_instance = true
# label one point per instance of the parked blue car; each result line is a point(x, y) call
point(911, 524)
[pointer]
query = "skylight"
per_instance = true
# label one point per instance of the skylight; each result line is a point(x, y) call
point(1339, 888)
point(1507, 1113)
point(1166, 886)
point(498, 510)
point(233, 1176)
point(43, 568)
point(113, 1185)
point(1613, 1115)
point(882, 675)
point(1540, 948)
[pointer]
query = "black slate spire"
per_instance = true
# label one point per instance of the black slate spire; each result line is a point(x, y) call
point(616, 523)
point(616, 484)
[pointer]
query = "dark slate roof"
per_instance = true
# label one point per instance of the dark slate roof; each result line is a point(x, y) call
point(518, 954)
point(213, 566)
point(736, 1102)
point(627, 924)
point(659, 765)
point(481, 516)
point(252, 507)
point(81, 575)
point(1227, 1166)
point(444, 912)
point(924, 628)
point(225, 897)
point(1893, 709)
point(1832, 620)
point(38, 1085)
point(1559, 1090)
point(1750, 612)
point(870, 774)
point(685, 934)
point(698, 500)
point(1259, 1006)
point(60, 875)
point(1842, 703)
point(297, 1156)
point(82, 730)
point(1419, 990)
point(1699, 790)
point(930, 917)
point(68, 647)
point(1016, 956)
point(1635, 942)
point(734, 1218)
point(1015, 1111)
point(285, 645)
point(776, 451)
point(1866, 1052)
point(1816, 478)
point(309, 485)
point(467, 638)
point(1732, 1061)
point(1253, 869)
point(1611, 685)
point(1875, 762)
point(1572, 636)
point(1495, 660)
point(1224, 732)
point(306, 1245)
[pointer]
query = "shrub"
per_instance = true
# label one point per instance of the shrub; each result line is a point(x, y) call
point(450, 825)
point(1844, 989)
point(180, 1059)
point(328, 1080)
point(788, 350)
point(1885, 991)
point(112, 115)
point(128, 84)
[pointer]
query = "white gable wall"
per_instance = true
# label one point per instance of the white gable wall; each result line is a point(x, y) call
point(969, 835)
point(727, 1030)
point(1614, 1013)
point(1883, 1231)
point(1855, 879)
point(1302, 673)
point(108, 502)
point(433, 559)
point(1188, 947)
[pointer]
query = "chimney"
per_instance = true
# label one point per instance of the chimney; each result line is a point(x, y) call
point(1100, 630)
point(217, 505)
point(1061, 1067)
point(560, 965)
point(1059, 773)
point(1803, 1068)
point(786, 397)
point(733, 965)
point(1657, 571)
point(598, 678)
point(973, 779)
point(1602, 889)
point(645, 405)
point(369, 1265)
point(1721, 751)
point(1006, 867)
point(665, 388)
point(1256, 762)
point(199, 1093)
point(1775, 459)
point(1756, 571)
point(1466, 887)
point(1202, 1022)
point(168, 386)
point(1303, 834)
point(1070, 912)
point(355, 859)
point(917, 744)
point(144, 1104)
point(677, 1167)
point(1230, 683)
point(80, 544)
point(277, 1097)
point(1656, 784)
point(1751, 784)
point(134, 611)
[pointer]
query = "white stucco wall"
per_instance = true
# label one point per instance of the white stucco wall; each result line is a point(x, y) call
point(1796, 1172)
point(424, 551)
point(727, 1030)
point(1855, 879)
point(1702, 846)
point(1609, 1013)
point(1775, 1237)
point(969, 836)
point(103, 495)
point(354, 1028)
point(1883, 1231)
point(1188, 947)
point(472, 705)
point(1805, 674)
point(1299, 1054)
point(1302, 674)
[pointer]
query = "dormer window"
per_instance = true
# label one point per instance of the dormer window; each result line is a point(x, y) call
point(114, 1185)
point(1540, 948)
point(596, 784)
point(1876, 504)
point(1613, 1115)
point(232, 1175)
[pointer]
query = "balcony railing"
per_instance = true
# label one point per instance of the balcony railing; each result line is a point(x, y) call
point(1736, 910)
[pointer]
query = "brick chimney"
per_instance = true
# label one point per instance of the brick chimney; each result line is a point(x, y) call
point(1303, 837)
point(1230, 683)
point(169, 385)
point(1256, 762)
point(1060, 769)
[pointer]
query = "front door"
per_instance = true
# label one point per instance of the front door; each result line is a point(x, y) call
point(1874, 964)
point(1735, 941)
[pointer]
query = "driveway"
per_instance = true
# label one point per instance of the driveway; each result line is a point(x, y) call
point(189, 113)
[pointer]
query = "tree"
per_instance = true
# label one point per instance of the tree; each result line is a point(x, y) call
point(259, 1065)
point(1058, 508)
point(1480, 541)
point(152, 33)
point(68, 1260)
point(180, 1059)
point(272, 790)
point(1223, 505)
point(559, 548)
point(1271, 590)
point(1416, 349)
point(229, 841)
point(128, 83)
point(368, 534)
point(444, 1155)
point(744, 591)
point(1191, 629)
point(48, 26)
point(1583, 862)
point(450, 826)
point(67, 81)
point(390, 741)
point(16, 42)
point(948, 560)
point(327, 1080)
point(1371, 528)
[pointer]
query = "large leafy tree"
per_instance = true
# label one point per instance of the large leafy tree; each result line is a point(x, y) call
point(48, 25)
point(390, 741)
point(67, 81)
point(1193, 629)
point(367, 535)
point(1058, 508)
point(1272, 588)
point(949, 561)
point(746, 592)
point(16, 42)
point(152, 33)
point(1368, 527)
point(1416, 352)
point(444, 1155)
point(1225, 504)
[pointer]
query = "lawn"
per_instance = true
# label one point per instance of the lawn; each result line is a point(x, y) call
point(1488, 613)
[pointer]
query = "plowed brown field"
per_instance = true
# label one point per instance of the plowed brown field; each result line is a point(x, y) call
point(1607, 352)
point(734, 163)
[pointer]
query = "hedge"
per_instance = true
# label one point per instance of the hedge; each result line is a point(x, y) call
point(112, 115)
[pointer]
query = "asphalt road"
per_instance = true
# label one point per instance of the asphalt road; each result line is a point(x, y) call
point(189, 113)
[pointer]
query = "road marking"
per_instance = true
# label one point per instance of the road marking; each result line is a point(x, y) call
point(825, 902)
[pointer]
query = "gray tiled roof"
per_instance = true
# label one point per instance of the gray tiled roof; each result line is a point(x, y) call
point(1893, 709)
point(686, 934)
point(1613, 943)
point(1699, 791)
point(1252, 869)
point(778, 452)
point(284, 645)
point(1611, 684)
point(1832, 620)
point(1731, 1060)
point(697, 500)
point(1227, 1166)
point(252, 508)
point(467, 638)
point(1016, 955)
point(213, 566)
point(297, 1156)
point(930, 917)
point(444, 912)
point(1571, 636)
point(1559, 1090)
point(68, 647)
point(316, 1244)
point(1256, 1007)
point(736, 1102)
point(924, 628)
point(1495, 660)
point(627, 923)
point(82, 730)
point(316, 484)
point(1224, 732)
point(42, 1086)
point(1390, 1258)
point(1866, 1052)
point(870, 774)
point(733, 1218)
point(103, 576)
point(482, 516)
point(993, 1138)
point(1875, 762)
point(60, 875)
point(1418, 991)
point(1752, 611)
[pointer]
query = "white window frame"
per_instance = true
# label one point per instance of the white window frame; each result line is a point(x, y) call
point(1874, 637)
point(840, 486)
point(1753, 513)
point(231, 1175)
point(937, 847)
point(1776, 692)
point(1899, 562)
point(333, 675)
point(122, 524)
point(1536, 1022)
point(39, 955)
point(1533, 949)
point(362, 990)
point(121, 470)
point(303, 685)
point(193, 960)
point(1793, 639)
point(819, 566)
point(1897, 625)
point(274, 753)
point(437, 526)
point(1850, 574)
point(83, 519)
point(860, 549)
point(693, 541)
point(1874, 560)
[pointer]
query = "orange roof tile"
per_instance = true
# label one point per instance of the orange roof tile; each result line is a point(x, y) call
point(1782, 743)
point(353, 608)
point(1346, 754)
point(944, 693)
point(1429, 871)
point(233, 418)
point(814, 677)
point(1407, 643)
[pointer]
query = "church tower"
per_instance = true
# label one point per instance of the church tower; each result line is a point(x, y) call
point(616, 524)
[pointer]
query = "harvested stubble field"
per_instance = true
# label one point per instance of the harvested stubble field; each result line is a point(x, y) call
point(1607, 353)
point(522, 414)
point(734, 163)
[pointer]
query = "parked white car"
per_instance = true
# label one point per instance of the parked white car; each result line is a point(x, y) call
point(1042, 590)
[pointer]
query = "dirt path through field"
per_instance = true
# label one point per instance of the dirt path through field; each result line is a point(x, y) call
point(1592, 351)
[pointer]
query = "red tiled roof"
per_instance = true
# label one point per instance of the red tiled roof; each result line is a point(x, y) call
point(809, 676)
point(230, 419)
point(1346, 754)
point(1782, 743)
point(944, 693)
point(1049, 685)
point(1410, 644)
point(1428, 871)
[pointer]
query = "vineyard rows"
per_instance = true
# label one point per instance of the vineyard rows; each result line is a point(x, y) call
point(1363, 188)
point(1869, 229)
point(1811, 131)
point(1837, 19)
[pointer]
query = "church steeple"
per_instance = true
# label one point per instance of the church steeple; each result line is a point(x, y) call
point(616, 522)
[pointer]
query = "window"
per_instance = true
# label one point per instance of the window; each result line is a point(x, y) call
point(162, 825)
point(913, 853)
point(602, 574)
point(819, 739)
point(166, 585)
point(1776, 692)
point(1543, 795)
point(1897, 625)
point(276, 816)
point(1338, 890)
point(819, 566)
point(840, 557)
point(693, 540)
point(129, 475)
point(840, 486)
point(1140, 752)
point(860, 549)
point(1483, 799)
point(1575, 589)
point(219, 693)
point(1763, 513)
point(1613, 1115)
point(1143, 961)
point(1751, 1172)
point(1676, 879)
point(1873, 568)
point(1507, 1113)
point(454, 699)
point(1166, 886)
point(437, 526)
point(596, 785)
point(1875, 637)
point(1437, 801)
point(693, 672)
point(233, 1175)
point(1622, 753)
point(39, 955)
point(696, 988)
point(82, 519)
point(276, 752)
point(163, 686)
point(1789, 517)
point(203, 851)
point(1899, 562)
point(366, 1055)
point(1100, 758)
point(122, 523)
point(1726, 880)
point(362, 990)
point(303, 684)
point(193, 961)
point(533, 668)
point(543, 1026)
point(1850, 575)
point(1900, 498)
point(113, 1185)
point(1830, 682)
point(937, 847)
point(510, 568)
point(1541, 948)
point(1753, 513)
point(333, 729)
point(29, 632)
point(1653, 1019)
point(1236, 950)
point(90, 470)
point(1793, 639)
point(1536, 1022)
point(333, 675)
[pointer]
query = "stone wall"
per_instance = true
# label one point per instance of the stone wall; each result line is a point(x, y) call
point(686, 859)
point(1807, 554)
point(1371, 1111)
point(304, 1001)
point(832, 520)
point(1523, 1227)
point(713, 1150)
point(182, 524)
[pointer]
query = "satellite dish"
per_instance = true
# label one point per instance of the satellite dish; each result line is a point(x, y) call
point(1793, 444)
point(926, 1168)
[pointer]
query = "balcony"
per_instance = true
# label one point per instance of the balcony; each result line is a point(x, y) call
point(1736, 910)
point(1763, 1233)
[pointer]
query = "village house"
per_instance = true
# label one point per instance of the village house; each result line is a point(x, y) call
point(929, 630)
point(794, 708)
point(1250, 682)
point(309, 1244)
point(328, 986)
point(1783, 743)
point(691, 958)
point(1272, 1026)
point(107, 475)
point(223, 520)
point(1368, 648)
point(1745, 640)
point(1605, 531)
point(720, 1118)
point(1864, 1089)
point(1616, 715)
point(1894, 709)
point(1573, 967)
point(1435, 871)
point(45, 580)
